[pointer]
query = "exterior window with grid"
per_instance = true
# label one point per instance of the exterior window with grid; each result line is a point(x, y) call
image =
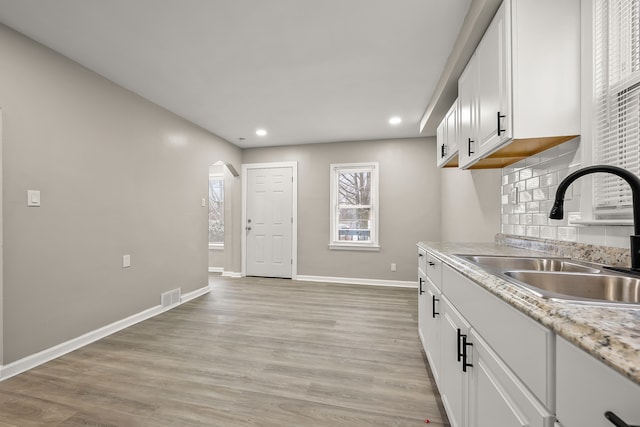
point(616, 39)
point(216, 211)
point(354, 206)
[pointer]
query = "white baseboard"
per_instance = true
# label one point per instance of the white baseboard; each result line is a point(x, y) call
point(231, 274)
point(216, 269)
point(36, 359)
point(194, 294)
point(357, 281)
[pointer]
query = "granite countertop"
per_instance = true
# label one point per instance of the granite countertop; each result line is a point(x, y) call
point(609, 334)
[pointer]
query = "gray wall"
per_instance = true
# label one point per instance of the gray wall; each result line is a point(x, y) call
point(470, 203)
point(118, 175)
point(409, 204)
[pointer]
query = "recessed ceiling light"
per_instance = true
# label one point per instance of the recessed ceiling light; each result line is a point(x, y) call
point(395, 120)
point(261, 132)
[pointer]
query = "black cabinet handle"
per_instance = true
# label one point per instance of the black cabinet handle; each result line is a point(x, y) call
point(421, 281)
point(500, 130)
point(615, 420)
point(431, 263)
point(420, 254)
point(443, 150)
point(465, 344)
point(434, 300)
point(459, 345)
point(469, 150)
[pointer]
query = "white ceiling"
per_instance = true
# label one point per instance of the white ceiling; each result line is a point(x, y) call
point(305, 70)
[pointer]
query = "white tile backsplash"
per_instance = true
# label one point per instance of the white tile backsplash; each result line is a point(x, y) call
point(536, 179)
point(528, 190)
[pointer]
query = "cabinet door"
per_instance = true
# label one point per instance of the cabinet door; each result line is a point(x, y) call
point(493, 85)
point(451, 137)
point(496, 397)
point(447, 134)
point(587, 388)
point(433, 346)
point(422, 296)
point(467, 98)
point(422, 309)
point(453, 379)
point(441, 142)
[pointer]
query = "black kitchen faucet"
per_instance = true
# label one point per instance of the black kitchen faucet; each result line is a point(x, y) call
point(557, 210)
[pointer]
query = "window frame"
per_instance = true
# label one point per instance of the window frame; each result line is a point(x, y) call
point(217, 177)
point(591, 214)
point(334, 243)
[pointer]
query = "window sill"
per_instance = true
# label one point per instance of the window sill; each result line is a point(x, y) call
point(354, 247)
point(603, 222)
point(216, 246)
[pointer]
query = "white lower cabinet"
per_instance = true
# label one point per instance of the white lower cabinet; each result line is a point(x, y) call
point(453, 381)
point(422, 302)
point(429, 317)
point(587, 389)
point(478, 388)
point(432, 325)
point(496, 397)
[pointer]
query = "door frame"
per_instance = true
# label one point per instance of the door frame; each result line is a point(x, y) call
point(1, 250)
point(294, 212)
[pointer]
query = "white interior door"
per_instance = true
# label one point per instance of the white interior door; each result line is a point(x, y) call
point(269, 222)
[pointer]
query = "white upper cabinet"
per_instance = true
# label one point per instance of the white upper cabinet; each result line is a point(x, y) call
point(467, 109)
point(520, 92)
point(493, 89)
point(447, 135)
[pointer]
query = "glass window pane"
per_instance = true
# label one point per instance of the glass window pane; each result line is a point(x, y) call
point(354, 224)
point(216, 210)
point(354, 188)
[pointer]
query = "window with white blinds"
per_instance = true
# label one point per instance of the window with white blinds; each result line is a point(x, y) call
point(617, 101)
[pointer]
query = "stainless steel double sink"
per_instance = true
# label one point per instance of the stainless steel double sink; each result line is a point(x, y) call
point(564, 279)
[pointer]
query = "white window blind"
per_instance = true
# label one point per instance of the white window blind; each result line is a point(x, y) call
point(617, 101)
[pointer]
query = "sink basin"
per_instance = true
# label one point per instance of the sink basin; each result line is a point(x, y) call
point(503, 263)
point(580, 286)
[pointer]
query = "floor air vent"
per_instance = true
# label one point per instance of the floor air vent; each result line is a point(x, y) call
point(170, 297)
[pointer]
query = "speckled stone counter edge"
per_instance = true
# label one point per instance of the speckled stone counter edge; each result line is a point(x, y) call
point(612, 335)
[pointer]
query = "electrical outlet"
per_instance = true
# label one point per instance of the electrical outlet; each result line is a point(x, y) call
point(393, 266)
point(126, 261)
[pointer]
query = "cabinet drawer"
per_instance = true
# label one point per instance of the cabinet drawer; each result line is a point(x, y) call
point(434, 270)
point(422, 261)
point(527, 347)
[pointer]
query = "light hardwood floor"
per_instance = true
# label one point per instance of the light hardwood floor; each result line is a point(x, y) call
point(253, 352)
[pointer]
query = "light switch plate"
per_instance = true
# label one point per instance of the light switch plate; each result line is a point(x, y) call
point(126, 261)
point(33, 198)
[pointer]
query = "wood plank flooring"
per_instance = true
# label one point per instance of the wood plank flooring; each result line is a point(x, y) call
point(253, 352)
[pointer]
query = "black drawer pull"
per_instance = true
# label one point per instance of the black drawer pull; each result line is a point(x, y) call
point(431, 264)
point(500, 130)
point(459, 345)
point(469, 150)
point(615, 420)
point(421, 281)
point(434, 300)
point(465, 344)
